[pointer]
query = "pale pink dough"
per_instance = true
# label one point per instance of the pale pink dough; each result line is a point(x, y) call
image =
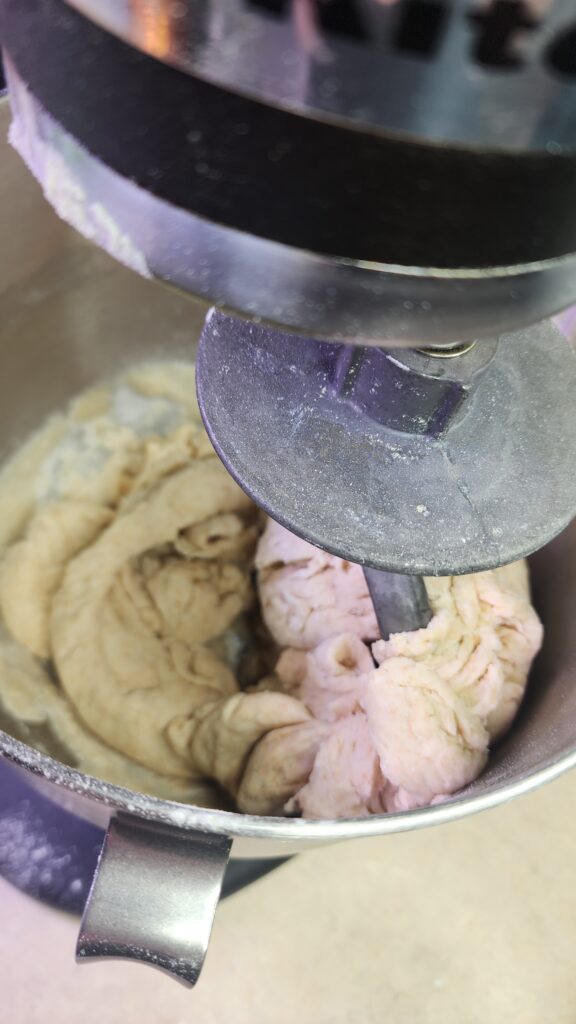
point(307, 595)
point(346, 780)
point(329, 679)
point(428, 741)
point(410, 719)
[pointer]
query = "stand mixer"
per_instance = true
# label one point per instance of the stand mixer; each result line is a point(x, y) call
point(395, 182)
point(378, 200)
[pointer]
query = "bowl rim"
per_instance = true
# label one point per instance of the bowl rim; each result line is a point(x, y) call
point(236, 825)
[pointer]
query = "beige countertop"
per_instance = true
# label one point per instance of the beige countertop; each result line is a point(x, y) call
point(471, 923)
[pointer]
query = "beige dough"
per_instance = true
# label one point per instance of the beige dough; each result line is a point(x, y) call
point(116, 621)
point(33, 568)
point(33, 709)
point(278, 767)
point(94, 461)
point(133, 575)
point(222, 737)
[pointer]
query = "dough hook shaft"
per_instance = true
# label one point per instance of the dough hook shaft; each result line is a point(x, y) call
point(400, 601)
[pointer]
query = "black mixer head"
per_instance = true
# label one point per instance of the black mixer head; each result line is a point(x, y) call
point(361, 189)
point(409, 462)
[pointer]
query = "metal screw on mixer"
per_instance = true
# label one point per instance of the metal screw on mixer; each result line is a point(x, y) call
point(450, 351)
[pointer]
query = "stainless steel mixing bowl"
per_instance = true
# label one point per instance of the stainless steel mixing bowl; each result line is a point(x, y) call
point(69, 316)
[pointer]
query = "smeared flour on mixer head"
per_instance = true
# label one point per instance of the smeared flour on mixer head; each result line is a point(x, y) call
point(139, 645)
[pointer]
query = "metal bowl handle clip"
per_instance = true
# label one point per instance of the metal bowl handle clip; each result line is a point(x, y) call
point(154, 897)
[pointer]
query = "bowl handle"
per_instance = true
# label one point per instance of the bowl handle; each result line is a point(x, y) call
point(154, 896)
